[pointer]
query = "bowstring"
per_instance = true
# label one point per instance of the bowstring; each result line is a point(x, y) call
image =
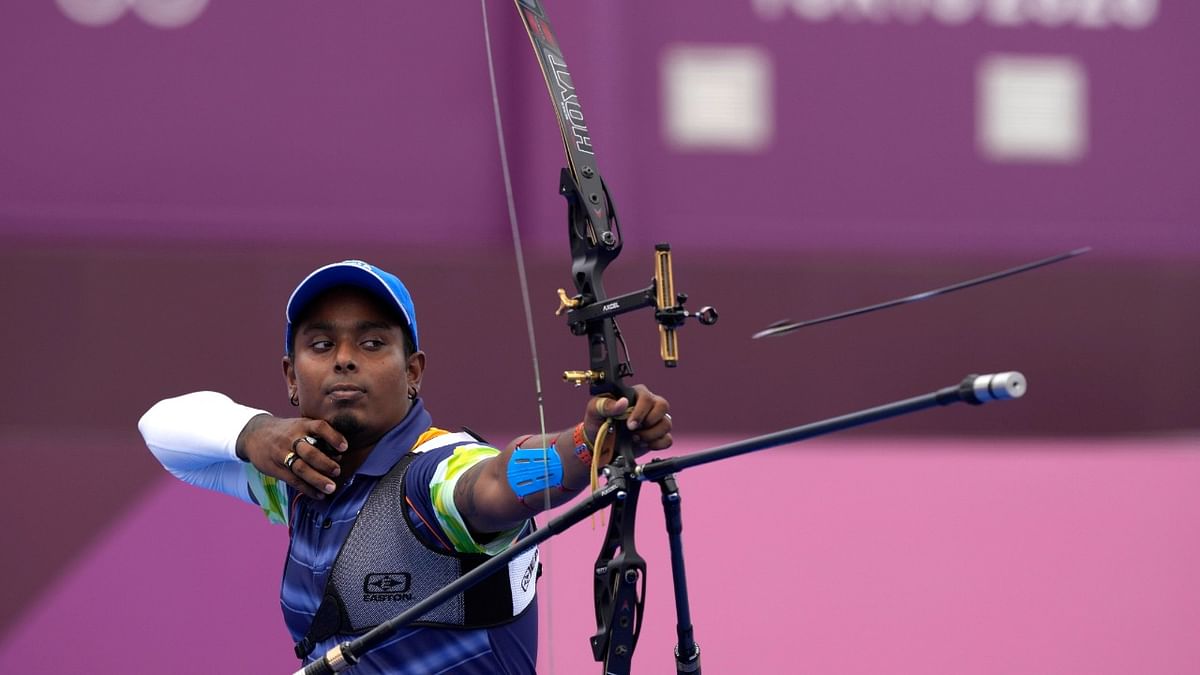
point(520, 256)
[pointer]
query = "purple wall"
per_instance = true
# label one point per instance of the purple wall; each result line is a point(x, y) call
point(315, 123)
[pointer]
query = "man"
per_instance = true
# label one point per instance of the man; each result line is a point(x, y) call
point(382, 507)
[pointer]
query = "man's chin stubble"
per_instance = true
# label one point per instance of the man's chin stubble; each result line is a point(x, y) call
point(347, 425)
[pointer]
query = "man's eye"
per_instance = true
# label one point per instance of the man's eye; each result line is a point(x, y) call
point(321, 345)
point(372, 344)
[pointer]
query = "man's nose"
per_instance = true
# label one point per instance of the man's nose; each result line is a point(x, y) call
point(344, 359)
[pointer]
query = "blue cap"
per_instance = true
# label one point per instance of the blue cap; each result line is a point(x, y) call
point(383, 285)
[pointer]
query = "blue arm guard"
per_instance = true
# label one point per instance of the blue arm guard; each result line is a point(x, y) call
point(532, 470)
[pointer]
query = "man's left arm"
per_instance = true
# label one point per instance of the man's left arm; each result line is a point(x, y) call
point(500, 493)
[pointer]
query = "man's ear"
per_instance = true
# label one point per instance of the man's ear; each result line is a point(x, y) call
point(289, 376)
point(416, 369)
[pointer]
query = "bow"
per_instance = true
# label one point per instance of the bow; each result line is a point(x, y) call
point(595, 239)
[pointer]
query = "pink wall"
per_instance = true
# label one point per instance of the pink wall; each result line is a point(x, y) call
point(831, 557)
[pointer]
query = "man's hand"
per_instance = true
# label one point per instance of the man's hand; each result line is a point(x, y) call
point(649, 420)
point(267, 442)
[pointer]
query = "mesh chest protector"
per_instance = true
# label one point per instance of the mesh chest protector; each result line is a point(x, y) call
point(384, 568)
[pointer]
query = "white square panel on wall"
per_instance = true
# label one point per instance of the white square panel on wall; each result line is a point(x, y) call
point(717, 97)
point(1031, 109)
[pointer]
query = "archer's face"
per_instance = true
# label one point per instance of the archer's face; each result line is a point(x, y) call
point(349, 366)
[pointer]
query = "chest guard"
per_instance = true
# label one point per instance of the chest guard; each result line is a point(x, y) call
point(384, 568)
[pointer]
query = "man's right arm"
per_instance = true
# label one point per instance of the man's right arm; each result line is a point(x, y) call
point(207, 439)
point(195, 436)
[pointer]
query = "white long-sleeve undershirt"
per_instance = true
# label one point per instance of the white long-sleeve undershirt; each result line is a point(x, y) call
point(194, 437)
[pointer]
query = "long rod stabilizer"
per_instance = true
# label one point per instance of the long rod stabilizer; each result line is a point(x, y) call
point(973, 389)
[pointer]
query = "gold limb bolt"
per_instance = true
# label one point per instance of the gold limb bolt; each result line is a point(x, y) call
point(565, 303)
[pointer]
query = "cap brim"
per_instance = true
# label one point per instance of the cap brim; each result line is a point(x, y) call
point(341, 275)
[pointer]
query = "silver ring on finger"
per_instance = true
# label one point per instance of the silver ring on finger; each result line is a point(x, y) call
point(290, 460)
point(304, 439)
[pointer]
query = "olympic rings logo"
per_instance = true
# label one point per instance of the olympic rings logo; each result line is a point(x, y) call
point(157, 13)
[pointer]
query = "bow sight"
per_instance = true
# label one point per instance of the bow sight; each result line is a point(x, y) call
point(669, 312)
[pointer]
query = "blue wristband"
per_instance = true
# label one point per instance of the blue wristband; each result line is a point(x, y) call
point(532, 470)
